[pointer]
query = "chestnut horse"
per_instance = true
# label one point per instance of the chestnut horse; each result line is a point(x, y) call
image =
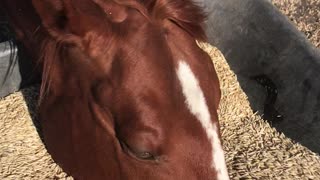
point(126, 92)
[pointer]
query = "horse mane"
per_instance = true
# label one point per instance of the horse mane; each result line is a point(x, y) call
point(183, 13)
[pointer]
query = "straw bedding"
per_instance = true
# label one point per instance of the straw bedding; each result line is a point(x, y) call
point(305, 14)
point(253, 149)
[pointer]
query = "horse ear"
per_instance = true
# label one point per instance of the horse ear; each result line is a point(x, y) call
point(56, 16)
point(50, 12)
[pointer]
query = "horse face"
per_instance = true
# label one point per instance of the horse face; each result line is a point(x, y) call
point(130, 95)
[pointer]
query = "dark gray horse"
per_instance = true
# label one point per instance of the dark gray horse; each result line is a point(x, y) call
point(264, 48)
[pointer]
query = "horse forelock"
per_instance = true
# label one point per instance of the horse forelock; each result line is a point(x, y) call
point(185, 14)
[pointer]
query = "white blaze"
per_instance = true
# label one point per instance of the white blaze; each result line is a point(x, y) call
point(197, 105)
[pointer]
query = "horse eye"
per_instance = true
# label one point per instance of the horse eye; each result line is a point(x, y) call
point(144, 155)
